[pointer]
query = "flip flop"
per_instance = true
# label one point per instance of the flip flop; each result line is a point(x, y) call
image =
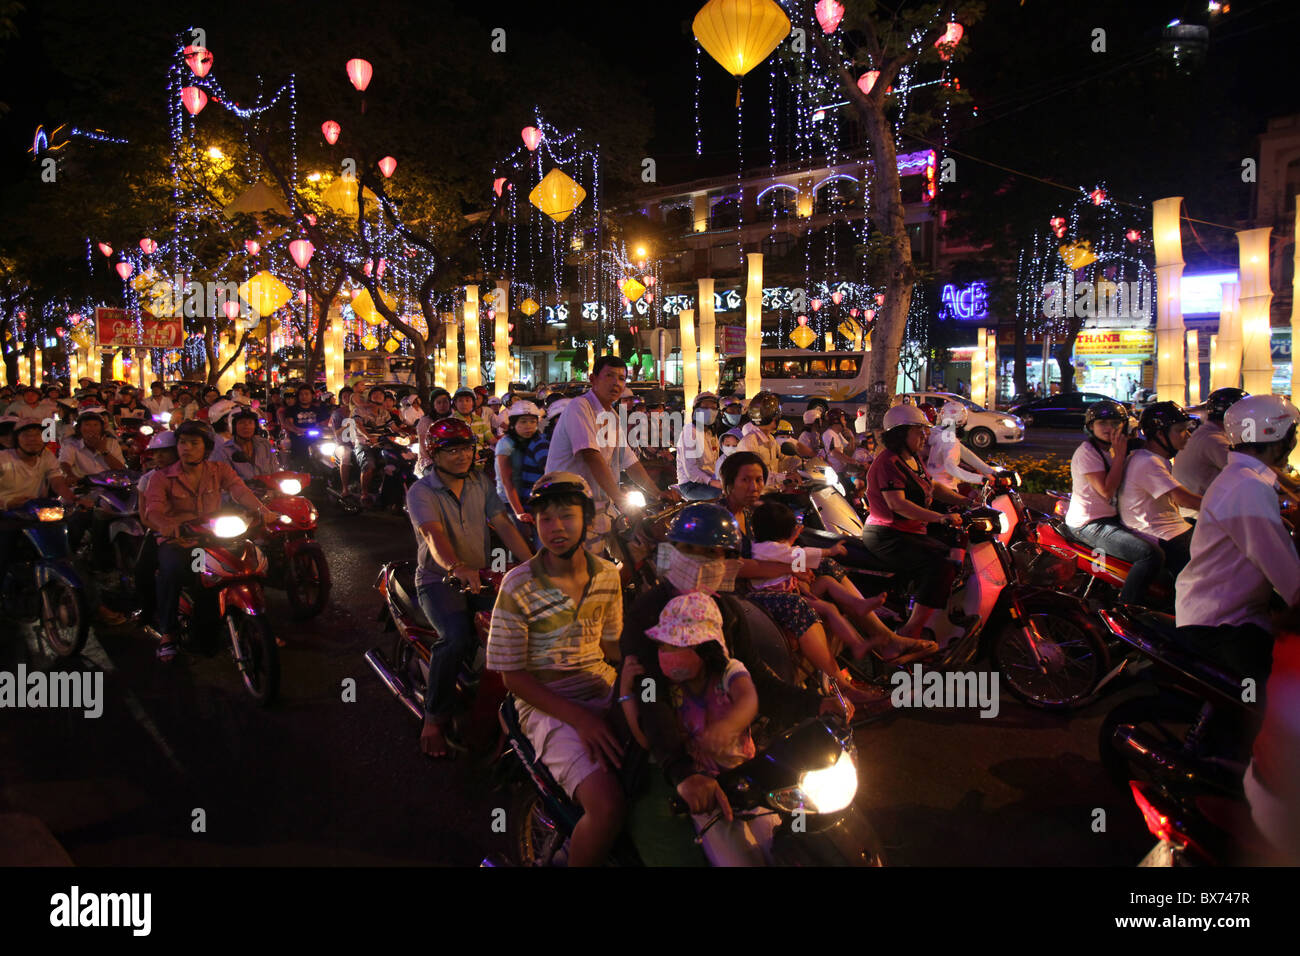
point(166, 652)
point(920, 649)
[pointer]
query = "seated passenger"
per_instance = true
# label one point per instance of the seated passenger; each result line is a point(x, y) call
point(1150, 497)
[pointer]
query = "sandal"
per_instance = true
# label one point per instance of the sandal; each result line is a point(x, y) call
point(166, 652)
point(914, 649)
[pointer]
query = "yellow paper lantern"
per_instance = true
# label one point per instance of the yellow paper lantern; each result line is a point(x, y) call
point(557, 195)
point(391, 346)
point(142, 280)
point(803, 336)
point(341, 196)
point(633, 289)
point(1078, 254)
point(529, 307)
point(740, 34)
point(265, 293)
point(370, 342)
point(850, 329)
point(364, 306)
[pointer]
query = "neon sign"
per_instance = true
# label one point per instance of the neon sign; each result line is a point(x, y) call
point(966, 303)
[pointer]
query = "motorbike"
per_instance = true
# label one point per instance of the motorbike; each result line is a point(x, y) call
point(399, 455)
point(296, 561)
point(41, 582)
point(234, 570)
point(406, 674)
point(325, 457)
point(1197, 829)
point(133, 435)
point(807, 776)
point(117, 501)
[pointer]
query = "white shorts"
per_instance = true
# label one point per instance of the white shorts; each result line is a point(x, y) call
point(558, 745)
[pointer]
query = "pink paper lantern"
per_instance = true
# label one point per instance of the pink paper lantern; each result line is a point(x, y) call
point(301, 250)
point(194, 99)
point(803, 320)
point(330, 130)
point(649, 297)
point(868, 80)
point(1058, 226)
point(650, 282)
point(124, 269)
point(148, 246)
point(1132, 235)
point(497, 184)
point(379, 270)
point(387, 165)
point(359, 72)
point(853, 312)
point(252, 246)
point(837, 297)
point(951, 37)
point(198, 59)
point(368, 268)
point(302, 296)
point(880, 298)
point(311, 219)
point(532, 136)
point(105, 248)
point(816, 305)
point(829, 15)
point(1098, 196)
point(869, 314)
point(231, 309)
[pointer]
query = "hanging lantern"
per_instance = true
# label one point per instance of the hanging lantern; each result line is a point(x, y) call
point(649, 297)
point(359, 72)
point(829, 15)
point(105, 248)
point(529, 308)
point(853, 312)
point(815, 305)
point(740, 34)
point(633, 289)
point(231, 309)
point(368, 268)
point(301, 250)
point(1058, 226)
point(497, 184)
point(252, 246)
point(1076, 255)
point(379, 269)
point(370, 343)
point(532, 136)
point(265, 293)
point(650, 282)
point(148, 246)
point(1098, 196)
point(557, 195)
point(302, 297)
point(387, 165)
point(311, 220)
point(880, 298)
point(330, 130)
point(364, 306)
point(194, 99)
point(1132, 235)
point(124, 269)
point(803, 336)
point(867, 81)
point(950, 38)
point(391, 346)
point(803, 320)
point(198, 59)
point(869, 314)
point(837, 297)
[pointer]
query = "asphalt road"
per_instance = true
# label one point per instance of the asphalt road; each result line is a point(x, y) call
point(318, 781)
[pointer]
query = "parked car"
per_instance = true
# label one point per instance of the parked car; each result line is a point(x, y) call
point(1061, 411)
point(985, 428)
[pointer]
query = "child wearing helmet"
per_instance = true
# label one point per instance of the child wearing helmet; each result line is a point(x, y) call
point(554, 628)
point(947, 454)
point(698, 451)
point(517, 470)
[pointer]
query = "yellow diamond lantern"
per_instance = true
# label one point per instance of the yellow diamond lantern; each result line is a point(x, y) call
point(803, 336)
point(364, 306)
point(633, 289)
point(265, 293)
point(529, 307)
point(391, 346)
point(740, 34)
point(1077, 254)
point(370, 343)
point(557, 195)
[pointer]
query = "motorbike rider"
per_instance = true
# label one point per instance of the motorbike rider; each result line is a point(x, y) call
point(764, 414)
point(160, 454)
point(158, 403)
point(899, 495)
point(451, 509)
point(189, 490)
point(517, 470)
point(1097, 469)
point(1242, 551)
point(28, 470)
point(1206, 451)
point(31, 406)
point(306, 416)
point(90, 450)
point(698, 451)
point(555, 628)
point(1150, 497)
point(590, 440)
point(463, 409)
point(129, 408)
point(814, 423)
point(947, 454)
point(249, 453)
point(733, 413)
point(373, 422)
point(838, 440)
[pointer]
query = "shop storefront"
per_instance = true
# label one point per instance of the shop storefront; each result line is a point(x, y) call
point(1115, 362)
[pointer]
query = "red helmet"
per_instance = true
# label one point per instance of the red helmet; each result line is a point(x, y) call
point(448, 433)
point(928, 411)
point(481, 390)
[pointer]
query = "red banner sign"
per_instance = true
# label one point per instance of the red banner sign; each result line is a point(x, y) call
point(116, 329)
point(733, 340)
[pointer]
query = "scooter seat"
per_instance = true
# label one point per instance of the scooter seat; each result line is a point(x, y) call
point(404, 592)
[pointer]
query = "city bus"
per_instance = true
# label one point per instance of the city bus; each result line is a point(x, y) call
point(796, 375)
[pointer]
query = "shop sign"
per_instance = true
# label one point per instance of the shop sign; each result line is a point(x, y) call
point(1115, 342)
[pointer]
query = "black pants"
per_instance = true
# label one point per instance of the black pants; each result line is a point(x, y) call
point(916, 556)
point(1178, 551)
point(1245, 649)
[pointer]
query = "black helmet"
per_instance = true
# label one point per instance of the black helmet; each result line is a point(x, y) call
point(562, 484)
point(706, 526)
point(1159, 417)
point(244, 414)
point(764, 409)
point(437, 392)
point(201, 429)
point(1104, 411)
point(1221, 399)
point(818, 402)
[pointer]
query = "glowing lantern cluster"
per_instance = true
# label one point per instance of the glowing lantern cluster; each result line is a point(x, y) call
point(330, 130)
point(829, 15)
point(803, 336)
point(359, 72)
point(532, 136)
point(740, 34)
point(951, 37)
point(557, 195)
point(1058, 226)
point(194, 99)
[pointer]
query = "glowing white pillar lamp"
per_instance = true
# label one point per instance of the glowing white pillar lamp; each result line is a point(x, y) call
point(1230, 337)
point(1214, 361)
point(473, 368)
point(1295, 316)
point(1167, 232)
point(1256, 297)
point(690, 360)
point(754, 325)
point(37, 371)
point(452, 380)
point(1193, 368)
point(708, 339)
point(978, 360)
point(501, 368)
point(990, 369)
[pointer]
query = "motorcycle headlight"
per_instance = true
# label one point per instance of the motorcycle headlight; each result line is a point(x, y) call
point(285, 519)
point(415, 447)
point(146, 429)
point(162, 417)
point(821, 791)
point(401, 440)
point(49, 513)
point(635, 499)
point(327, 448)
point(229, 526)
point(291, 486)
point(1015, 480)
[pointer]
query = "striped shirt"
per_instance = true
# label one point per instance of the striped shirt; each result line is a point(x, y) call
point(537, 627)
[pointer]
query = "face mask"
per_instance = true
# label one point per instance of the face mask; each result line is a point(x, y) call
point(731, 418)
point(679, 663)
point(687, 573)
point(727, 450)
point(706, 416)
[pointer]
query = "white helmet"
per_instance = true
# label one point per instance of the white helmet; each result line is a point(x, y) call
point(955, 414)
point(557, 407)
point(860, 426)
point(904, 415)
point(524, 408)
point(162, 440)
point(1259, 418)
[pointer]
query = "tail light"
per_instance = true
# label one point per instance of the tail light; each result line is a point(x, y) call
point(1060, 508)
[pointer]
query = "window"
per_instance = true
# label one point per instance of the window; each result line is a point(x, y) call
point(820, 368)
point(848, 367)
point(778, 245)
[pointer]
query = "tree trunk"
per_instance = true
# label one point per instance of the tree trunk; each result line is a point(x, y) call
point(1062, 352)
point(1021, 372)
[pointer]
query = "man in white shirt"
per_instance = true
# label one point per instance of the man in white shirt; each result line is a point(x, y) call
point(31, 406)
point(1150, 497)
point(758, 436)
point(698, 452)
point(158, 403)
point(27, 471)
point(1207, 450)
point(590, 441)
point(1242, 552)
point(90, 450)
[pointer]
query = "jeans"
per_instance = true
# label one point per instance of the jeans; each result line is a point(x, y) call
point(1109, 536)
point(175, 570)
point(451, 614)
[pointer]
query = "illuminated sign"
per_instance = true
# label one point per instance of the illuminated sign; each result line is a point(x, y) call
point(967, 303)
point(1203, 294)
point(1115, 342)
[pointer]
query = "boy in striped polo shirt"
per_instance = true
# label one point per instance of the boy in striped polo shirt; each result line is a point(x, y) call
point(555, 626)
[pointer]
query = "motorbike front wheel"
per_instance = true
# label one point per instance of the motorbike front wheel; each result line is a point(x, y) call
point(307, 581)
point(533, 834)
point(1073, 657)
point(65, 620)
point(256, 656)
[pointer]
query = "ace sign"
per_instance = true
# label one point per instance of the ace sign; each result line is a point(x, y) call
point(116, 329)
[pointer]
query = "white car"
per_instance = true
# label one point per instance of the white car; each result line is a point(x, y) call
point(985, 428)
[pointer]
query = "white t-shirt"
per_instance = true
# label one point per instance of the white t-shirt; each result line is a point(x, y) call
point(158, 406)
point(21, 481)
point(579, 429)
point(1144, 503)
point(697, 454)
point(1204, 456)
point(86, 462)
point(1085, 504)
